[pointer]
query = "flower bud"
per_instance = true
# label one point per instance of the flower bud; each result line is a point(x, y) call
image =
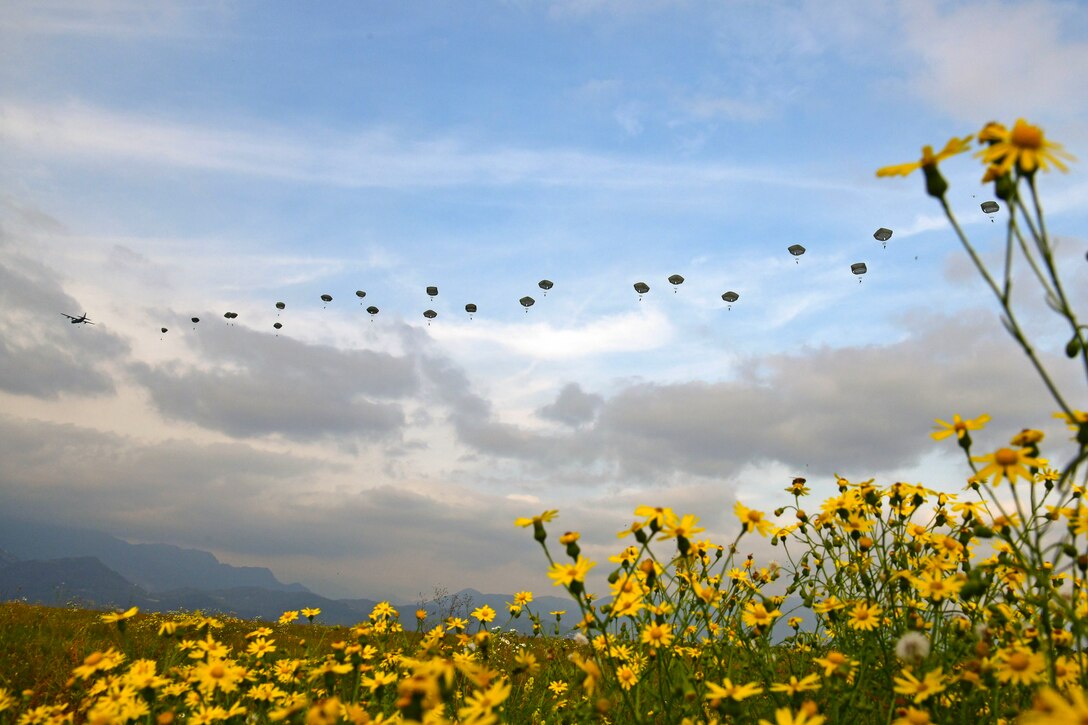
point(936, 186)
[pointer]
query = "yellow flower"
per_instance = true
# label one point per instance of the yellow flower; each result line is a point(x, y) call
point(728, 691)
point(752, 520)
point(120, 616)
point(864, 617)
point(835, 663)
point(1074, 421)
point(7, 700)
point(657, 635)
point(558, 687)
point(383, 610)
point(756, 615)
point(627, 676)
point(484, 613)
point(288, 617)
point(567, 574)
point(310, 613)
point(932, 684)
point(933, 586)
point(686, 527)
point(1008, 464)
point(1024, 147)
point(544, 517)
point(953, 147)
point(1053, 709)
point(260, 647)
point(217, 674)
point(959, 426)
point(97, 662)
point(593, 672)
point(795, 686)
point(657, 517)
point(913, 716)
point(1020, 666)
point(480, 704)
point(783, 716)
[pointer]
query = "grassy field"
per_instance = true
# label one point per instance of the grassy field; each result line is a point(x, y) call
point(930, 608)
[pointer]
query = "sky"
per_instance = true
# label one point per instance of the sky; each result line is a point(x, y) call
point(165, 161)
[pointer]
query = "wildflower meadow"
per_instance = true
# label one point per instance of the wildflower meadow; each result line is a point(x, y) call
point(904, 604)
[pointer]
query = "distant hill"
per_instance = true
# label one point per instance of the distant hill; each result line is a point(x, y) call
point(55, 565)
point(83, 581)
point(155, 567)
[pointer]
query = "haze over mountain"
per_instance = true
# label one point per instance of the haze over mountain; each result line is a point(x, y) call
point(59, 566)
point(155, 567)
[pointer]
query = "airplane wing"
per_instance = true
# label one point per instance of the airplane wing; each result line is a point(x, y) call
point(67, 315)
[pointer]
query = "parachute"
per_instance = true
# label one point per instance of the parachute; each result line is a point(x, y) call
point(796, 250)
point(730, 297)
point(196, 320)
point(326, 299)
point(432, 292)
point(859, 269)
point(527, 302)
point(990, 207)
point(675, 280)
point(642, 288)
point(164, 330)
point(545, 284)
point(360, 294)
point(430, 314)
point(230, 315)
point(882, 235)
point(373, 311)
point(470, 309)
point(280, 305)
point(278, 325)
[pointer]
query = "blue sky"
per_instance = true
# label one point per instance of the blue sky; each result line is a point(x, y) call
point(160, 162)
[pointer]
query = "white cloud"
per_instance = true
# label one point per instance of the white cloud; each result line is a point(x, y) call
point(646, 329)
point(373, 158)
point(981, 59)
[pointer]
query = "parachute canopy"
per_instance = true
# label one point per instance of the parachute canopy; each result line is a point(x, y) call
point(360, 294)
point(372, 310)
point(432, 291)
point(858, 268)
point(470, 308)
point(676, 279)
point(527, 302)
point(280, 305)
point(230, 315)
point(196, 320)
point(730, 297)
point(990, 207)
point(164, 329)
point(545, 284)
point(642, 288)
point(430, 314)
point(278, 325)
point(796, 250)
point(326, 298)
point(882, 234)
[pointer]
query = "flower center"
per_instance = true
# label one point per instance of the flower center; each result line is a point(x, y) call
point(836, 658)
point(1006, 457)
point(93, 659)
point(217, 671)
point(1027, 136)
point(754, 516)
point(1019, 661)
